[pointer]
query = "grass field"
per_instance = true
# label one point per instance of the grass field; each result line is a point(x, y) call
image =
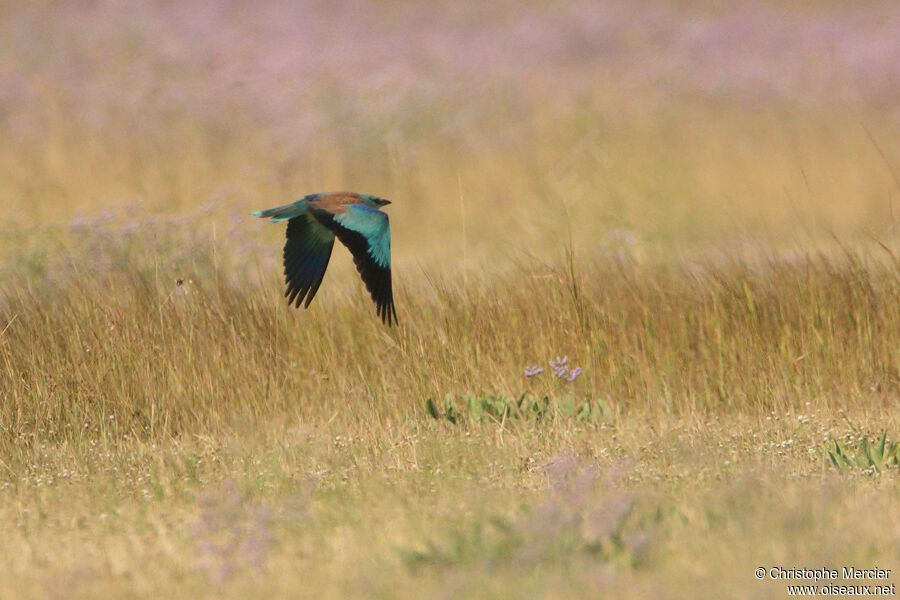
point(690, 206)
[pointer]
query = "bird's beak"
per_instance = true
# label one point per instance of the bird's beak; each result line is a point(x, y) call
point(385, 202)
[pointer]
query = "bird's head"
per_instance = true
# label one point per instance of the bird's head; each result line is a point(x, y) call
point(375, 201)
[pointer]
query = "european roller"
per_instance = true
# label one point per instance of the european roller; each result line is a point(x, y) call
point(313, 222)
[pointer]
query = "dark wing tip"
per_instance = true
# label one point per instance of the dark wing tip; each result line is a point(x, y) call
point(386, 309)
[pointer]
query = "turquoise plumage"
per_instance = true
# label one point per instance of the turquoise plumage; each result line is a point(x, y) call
point(313, 223)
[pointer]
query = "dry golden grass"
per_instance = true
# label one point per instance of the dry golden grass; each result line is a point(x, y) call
point(126, 352)
point(724, 271)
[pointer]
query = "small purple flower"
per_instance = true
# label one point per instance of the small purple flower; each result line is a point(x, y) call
point(559, 362)
point(532, 371)
point(573, 374)
point(558, 365)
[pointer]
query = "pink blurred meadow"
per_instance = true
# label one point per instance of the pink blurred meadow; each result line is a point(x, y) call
point(441, 69)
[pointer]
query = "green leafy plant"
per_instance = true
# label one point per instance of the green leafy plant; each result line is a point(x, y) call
point(868, 455)
point(499, 408)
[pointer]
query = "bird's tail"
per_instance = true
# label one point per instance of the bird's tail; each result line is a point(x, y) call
point(282, 213)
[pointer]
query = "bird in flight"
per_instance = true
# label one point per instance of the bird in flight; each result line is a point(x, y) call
point(313, 222)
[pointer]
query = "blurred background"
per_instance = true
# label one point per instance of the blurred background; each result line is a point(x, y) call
point(645, 129)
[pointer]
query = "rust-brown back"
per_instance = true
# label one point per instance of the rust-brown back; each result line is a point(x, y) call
point(335, 202)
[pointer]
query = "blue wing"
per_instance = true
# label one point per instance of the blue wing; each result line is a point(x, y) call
point(366, 232)
point(306, 251)
point(306, 255)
